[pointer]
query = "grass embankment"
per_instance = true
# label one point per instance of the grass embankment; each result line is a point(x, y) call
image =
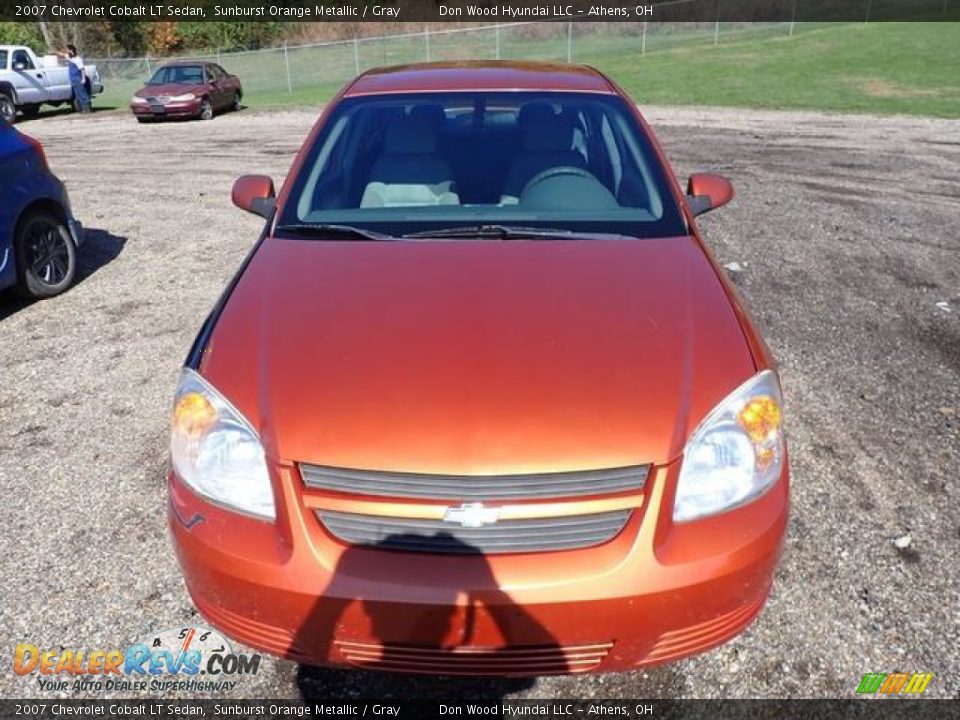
point(884, 68)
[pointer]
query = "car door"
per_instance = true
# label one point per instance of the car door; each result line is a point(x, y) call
point(58, 80)
point(28, 80)
point(12, 170)
point(229, 82)
point(224, 91)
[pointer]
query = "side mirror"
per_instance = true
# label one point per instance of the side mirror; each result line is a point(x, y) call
point(255, 194)
point(708, 192)
point(19, 66)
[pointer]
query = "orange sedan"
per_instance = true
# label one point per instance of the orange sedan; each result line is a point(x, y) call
point(479, 401)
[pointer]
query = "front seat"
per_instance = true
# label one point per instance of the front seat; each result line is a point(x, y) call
point(410, 172)
point(546, 142)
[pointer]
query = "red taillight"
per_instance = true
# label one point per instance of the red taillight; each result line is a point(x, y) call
point(35, 144)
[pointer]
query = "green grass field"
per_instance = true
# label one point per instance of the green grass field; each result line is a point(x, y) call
point(883, 68)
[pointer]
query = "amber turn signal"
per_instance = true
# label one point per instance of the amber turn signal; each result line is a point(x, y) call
point(193, 415)
point(760, 417)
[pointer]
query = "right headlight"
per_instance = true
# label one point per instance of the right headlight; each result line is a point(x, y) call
point(736, 453)
point(216, 452)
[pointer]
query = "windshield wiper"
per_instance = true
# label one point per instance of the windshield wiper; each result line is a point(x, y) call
point(333, 231)
point(503, 232)
point(511, 232)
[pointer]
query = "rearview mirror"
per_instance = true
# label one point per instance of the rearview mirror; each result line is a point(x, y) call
point(255, 194)
point(708, 192)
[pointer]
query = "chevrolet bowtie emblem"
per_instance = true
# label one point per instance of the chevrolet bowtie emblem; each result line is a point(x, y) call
point(472, 515)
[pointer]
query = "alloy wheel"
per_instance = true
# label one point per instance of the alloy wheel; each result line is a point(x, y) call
point(46, 253)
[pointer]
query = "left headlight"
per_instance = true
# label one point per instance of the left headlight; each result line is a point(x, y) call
point(216, 452)
point(737, 452)
point(186, 97)
point(137, 100)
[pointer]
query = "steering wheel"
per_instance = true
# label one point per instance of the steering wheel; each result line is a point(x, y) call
point(559, 171)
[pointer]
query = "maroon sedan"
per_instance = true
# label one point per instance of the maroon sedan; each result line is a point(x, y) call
point(187, 90)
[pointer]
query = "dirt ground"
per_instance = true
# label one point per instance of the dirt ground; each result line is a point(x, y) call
point(846, 235)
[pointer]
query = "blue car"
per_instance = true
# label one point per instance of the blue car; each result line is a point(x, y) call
point(39, 236)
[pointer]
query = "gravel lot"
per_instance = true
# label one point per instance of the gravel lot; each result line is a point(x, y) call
point(847, 234)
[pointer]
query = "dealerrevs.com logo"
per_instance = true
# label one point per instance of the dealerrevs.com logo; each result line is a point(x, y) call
point(194, 659)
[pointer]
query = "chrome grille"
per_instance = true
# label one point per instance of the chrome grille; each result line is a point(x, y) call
point(476, 487)
point(506, 536)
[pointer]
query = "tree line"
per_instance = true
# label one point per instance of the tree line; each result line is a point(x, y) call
point(132, 38)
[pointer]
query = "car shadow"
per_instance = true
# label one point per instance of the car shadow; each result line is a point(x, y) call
point(99, 249)
point(403, 635)
point(61, 112)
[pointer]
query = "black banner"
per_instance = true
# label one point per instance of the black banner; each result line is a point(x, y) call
point(480, 10)
point(553, 709)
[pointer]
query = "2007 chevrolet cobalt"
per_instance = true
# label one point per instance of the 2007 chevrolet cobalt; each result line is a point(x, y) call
point(479, 401)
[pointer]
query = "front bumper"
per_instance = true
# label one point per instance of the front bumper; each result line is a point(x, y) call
point(172, 110)
point(655, 593)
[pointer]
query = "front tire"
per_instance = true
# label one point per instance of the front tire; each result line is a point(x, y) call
point(237, 102)
point(8, 110)
point(46, 256)
point(206, 109)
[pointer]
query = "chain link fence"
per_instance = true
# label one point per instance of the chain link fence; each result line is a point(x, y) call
point(314, 72)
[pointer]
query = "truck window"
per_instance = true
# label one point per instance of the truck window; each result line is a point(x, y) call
point(22, 60)
point(3, 59)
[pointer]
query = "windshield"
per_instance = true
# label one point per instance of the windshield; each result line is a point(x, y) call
point(413, 163)
point(178, 75)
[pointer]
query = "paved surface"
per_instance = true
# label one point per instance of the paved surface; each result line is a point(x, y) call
point(847, 233)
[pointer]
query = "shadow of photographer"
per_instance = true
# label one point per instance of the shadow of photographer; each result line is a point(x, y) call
point(466, 637)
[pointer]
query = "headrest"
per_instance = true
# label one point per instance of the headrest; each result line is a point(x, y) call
point(550, 135)
point(432, 114)
point(410, 136)
point(534, 113)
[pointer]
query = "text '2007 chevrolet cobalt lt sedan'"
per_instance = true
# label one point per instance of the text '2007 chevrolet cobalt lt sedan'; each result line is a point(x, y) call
point(479, 401)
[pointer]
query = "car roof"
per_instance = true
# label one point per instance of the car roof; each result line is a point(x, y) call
point(187, 63)
point(480, 75)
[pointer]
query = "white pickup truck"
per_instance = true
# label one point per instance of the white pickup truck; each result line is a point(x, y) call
point(28, 81)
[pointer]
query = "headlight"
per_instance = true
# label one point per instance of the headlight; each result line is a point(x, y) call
point(137, 100)
point(736, 453)
point(186, 97)
point(214, 450)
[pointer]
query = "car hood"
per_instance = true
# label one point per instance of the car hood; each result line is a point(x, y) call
point(477, 357)
point(169, 89)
